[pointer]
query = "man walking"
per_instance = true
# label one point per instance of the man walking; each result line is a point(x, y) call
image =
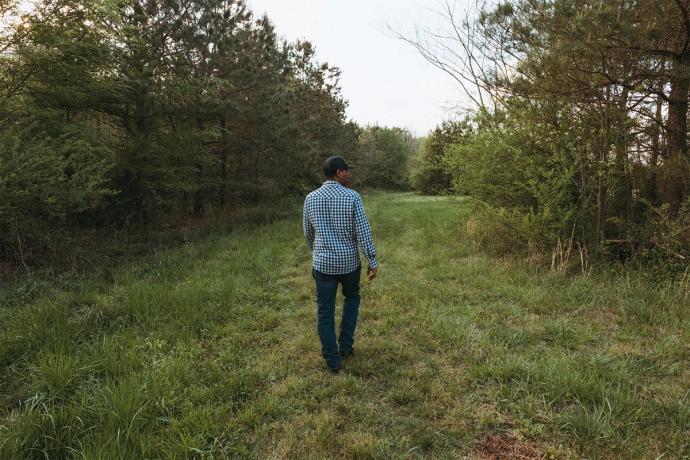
point(334, 226)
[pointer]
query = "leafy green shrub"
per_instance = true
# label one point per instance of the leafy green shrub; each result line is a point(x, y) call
point(503, 231)
point(47, 177)
point(428, 172)
point(521, 172)
point(664, 239)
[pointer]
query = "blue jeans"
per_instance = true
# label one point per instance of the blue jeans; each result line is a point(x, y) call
point(326, 288)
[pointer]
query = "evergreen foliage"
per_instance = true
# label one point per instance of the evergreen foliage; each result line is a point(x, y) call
point(133, 112)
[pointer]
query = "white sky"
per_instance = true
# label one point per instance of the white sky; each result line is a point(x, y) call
point(385, 80)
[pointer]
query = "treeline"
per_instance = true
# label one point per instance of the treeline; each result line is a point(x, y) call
point(579, 140)
point(135, 112)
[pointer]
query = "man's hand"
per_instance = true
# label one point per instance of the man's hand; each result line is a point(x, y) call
point(371, 273)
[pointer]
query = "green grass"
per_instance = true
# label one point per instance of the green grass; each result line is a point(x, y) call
point(210, 351)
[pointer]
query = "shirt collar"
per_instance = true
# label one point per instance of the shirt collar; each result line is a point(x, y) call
point(331, 183)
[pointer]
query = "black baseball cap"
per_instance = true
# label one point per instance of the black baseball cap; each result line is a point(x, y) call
point(333, 164)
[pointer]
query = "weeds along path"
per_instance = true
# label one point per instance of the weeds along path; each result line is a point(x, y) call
point(210, 351)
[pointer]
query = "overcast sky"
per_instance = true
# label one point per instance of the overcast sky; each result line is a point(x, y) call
point(385, 80)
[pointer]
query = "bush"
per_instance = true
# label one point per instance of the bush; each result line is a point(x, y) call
point(520, 173)
point(503, 231)
point(429, 173)
point(663, 239)
point(46, 179)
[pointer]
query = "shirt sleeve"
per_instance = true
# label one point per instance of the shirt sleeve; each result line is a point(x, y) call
point(364, 240)
point(307, 227)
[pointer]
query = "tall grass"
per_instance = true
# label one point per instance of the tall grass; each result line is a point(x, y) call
point(210, 351)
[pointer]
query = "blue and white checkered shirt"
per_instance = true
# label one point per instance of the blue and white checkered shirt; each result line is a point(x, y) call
point(334, 225)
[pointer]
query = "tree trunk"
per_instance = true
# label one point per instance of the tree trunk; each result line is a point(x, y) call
point(652, 186)
point(674, 170)
point(223, 165)
point(255, 192)
point(602, 168)
point(236, 193)
point(623, 182)
point(601, 196)
point(198, 195)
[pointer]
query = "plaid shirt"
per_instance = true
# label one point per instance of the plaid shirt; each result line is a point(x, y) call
point(334, 225)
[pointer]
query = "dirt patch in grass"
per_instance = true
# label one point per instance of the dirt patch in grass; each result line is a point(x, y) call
point(506, 446)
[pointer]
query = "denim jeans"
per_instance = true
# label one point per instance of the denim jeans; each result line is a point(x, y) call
point(326, 288)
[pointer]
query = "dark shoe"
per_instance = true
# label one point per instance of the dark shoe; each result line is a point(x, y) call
point(346, 354)
point(334, 370)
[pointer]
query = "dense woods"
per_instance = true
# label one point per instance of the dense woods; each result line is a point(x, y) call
point(580, 129)
point(128, 113)
point(139, 114)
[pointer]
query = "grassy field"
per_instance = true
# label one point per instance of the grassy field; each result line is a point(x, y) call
point(211, 351)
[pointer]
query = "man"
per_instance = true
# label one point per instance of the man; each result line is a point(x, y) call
point(334, 226)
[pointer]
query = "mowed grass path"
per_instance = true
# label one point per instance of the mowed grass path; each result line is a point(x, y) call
point(210, 351)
